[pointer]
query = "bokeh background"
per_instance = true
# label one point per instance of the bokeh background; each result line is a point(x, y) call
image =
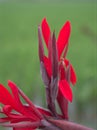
point(19, 62)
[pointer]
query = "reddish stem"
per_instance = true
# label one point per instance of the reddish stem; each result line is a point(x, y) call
point(67, 125)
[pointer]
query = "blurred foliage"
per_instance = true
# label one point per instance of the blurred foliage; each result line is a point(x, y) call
point(19, 48)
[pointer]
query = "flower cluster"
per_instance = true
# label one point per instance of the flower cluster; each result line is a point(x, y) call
point(57, 74)
point(58, 69)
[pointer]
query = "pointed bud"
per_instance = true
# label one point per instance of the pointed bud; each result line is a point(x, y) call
point(41, 49)
point(54, 57)
point(54, 78)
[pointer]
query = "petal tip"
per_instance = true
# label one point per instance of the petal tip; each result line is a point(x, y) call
point(44, 20)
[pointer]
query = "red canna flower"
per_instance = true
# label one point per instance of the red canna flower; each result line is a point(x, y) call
point(28, 117)
point(66, 71)
point(19, 115)
point(62, 44)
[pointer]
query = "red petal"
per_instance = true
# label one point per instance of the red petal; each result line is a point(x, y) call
point(18, 105)
point(47, 64)
point(73, 77)
point(65, 89)
point(63, 37)
point(15, 92)
point(5, 97)
point(45, 31)
point(63, 103)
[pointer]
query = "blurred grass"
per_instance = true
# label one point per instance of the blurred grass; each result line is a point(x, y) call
point(19, 46)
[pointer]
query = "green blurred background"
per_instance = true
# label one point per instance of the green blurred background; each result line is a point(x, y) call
point(19, 60)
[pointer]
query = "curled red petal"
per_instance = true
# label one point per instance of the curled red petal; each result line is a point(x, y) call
point(63, 37)
point(65, 90)
point(47, 64)
point(73, 77)
point(5, 97)
point(45, 31)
